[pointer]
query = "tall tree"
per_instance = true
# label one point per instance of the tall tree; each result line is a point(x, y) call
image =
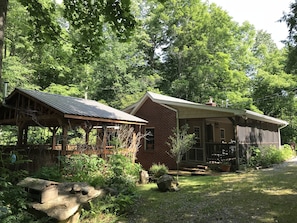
point(3, 12)
point(202, 51)
point(84, 18)
point(291, 42)
point(274, 90)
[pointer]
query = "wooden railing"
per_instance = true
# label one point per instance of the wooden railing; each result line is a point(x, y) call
point(44, 155)
point(219, 152)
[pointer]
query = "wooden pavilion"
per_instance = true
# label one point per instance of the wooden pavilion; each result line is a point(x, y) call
point(27, 108)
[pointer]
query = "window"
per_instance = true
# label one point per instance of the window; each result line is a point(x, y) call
point(197, 136)
point(150, 139)
point(222, 134)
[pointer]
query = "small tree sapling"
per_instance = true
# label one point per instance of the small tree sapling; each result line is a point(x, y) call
point(180, 142)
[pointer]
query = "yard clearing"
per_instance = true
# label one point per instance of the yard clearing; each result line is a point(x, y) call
point(268, 195)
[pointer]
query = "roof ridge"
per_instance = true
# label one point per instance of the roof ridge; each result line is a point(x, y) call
point(53, 94)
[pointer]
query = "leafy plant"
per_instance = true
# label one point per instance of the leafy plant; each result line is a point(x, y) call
point(124, 174)
point(83, 168)
point(13, 199)
point(158, 170)
point(49, 173)
point(118, 175)
point(266, 156)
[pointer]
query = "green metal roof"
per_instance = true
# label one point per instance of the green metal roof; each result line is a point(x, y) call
point(79, 106)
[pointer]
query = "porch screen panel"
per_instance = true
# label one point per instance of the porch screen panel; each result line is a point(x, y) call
point(197, 136)
point(257, 136)
point(192, 154)
point(195, 154)
point(199, 154)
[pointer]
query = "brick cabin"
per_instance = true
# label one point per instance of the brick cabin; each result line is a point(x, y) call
point(221, 133)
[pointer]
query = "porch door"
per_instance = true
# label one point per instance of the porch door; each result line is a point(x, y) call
point(196, 153)
point(209, 133)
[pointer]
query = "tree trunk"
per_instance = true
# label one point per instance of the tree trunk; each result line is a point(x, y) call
point(3, 12)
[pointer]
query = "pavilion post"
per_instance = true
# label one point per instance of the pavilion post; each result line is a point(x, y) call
point(54, 136)
point(25, 139)
point(65, 139)
point(22, 134)
point(104, 140)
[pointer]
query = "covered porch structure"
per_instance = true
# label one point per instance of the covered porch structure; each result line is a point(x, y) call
point(227, 135)
point(61, 119)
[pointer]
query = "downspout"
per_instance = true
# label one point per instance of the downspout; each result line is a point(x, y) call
point(279, 135)
point(236, 145)
point(177, 120)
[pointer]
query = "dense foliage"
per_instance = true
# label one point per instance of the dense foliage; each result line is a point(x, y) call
point(269, 155)
point(13, 199)
point(117, 175)
point(175, 47)
point(114, 51)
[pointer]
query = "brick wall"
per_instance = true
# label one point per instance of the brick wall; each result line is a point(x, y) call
point(163, 120)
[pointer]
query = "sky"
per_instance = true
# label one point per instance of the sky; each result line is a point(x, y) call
point(263, 14)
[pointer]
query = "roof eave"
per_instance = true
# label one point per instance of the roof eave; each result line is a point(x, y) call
point(117, 121)
point(261, 117)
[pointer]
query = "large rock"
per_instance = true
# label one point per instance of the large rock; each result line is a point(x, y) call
point(143, 177)
point(67, 206)
point(167, 183)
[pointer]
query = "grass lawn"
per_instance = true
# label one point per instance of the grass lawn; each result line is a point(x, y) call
point(259, 196)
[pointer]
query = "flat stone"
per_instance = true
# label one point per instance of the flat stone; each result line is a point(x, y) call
point(67, 204)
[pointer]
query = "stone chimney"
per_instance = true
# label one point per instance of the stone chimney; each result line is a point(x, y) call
point(211, 102)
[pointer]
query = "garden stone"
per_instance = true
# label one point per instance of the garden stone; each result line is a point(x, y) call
point(67, 206)
point(167, 183)
point(144, 177)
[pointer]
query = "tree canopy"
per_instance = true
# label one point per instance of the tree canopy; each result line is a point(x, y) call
point(114, 51)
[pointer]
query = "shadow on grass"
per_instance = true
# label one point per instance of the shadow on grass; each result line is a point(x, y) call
point(258, 196)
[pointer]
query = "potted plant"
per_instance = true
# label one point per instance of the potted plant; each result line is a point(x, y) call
point(225, 166)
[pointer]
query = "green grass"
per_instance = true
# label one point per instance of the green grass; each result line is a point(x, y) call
point(257, 196)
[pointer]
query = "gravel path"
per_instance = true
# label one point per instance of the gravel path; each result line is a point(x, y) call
point(291, 162)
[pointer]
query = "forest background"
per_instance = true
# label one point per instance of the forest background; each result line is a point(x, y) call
point(189, 49)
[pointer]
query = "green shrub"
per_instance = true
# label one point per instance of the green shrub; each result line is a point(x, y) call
point(287, 152)
point(49, 173)
point(13, 199)
point(83, 168)
point(117, 174)
point(266, 156)
point(158, 170)
point(124, 174)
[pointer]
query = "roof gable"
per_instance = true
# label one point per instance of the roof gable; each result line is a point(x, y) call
point(181, 104)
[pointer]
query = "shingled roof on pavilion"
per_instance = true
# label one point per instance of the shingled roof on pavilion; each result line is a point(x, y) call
point(47, 107)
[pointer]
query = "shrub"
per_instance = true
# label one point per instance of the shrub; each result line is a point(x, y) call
point(124, 174)
point(13, 199)
point(49, 173)
point(158, 170)
point(117, 174)
point(266, 156)
point(83, 168)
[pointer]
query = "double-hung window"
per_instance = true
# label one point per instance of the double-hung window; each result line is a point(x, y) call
point(149, 139)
